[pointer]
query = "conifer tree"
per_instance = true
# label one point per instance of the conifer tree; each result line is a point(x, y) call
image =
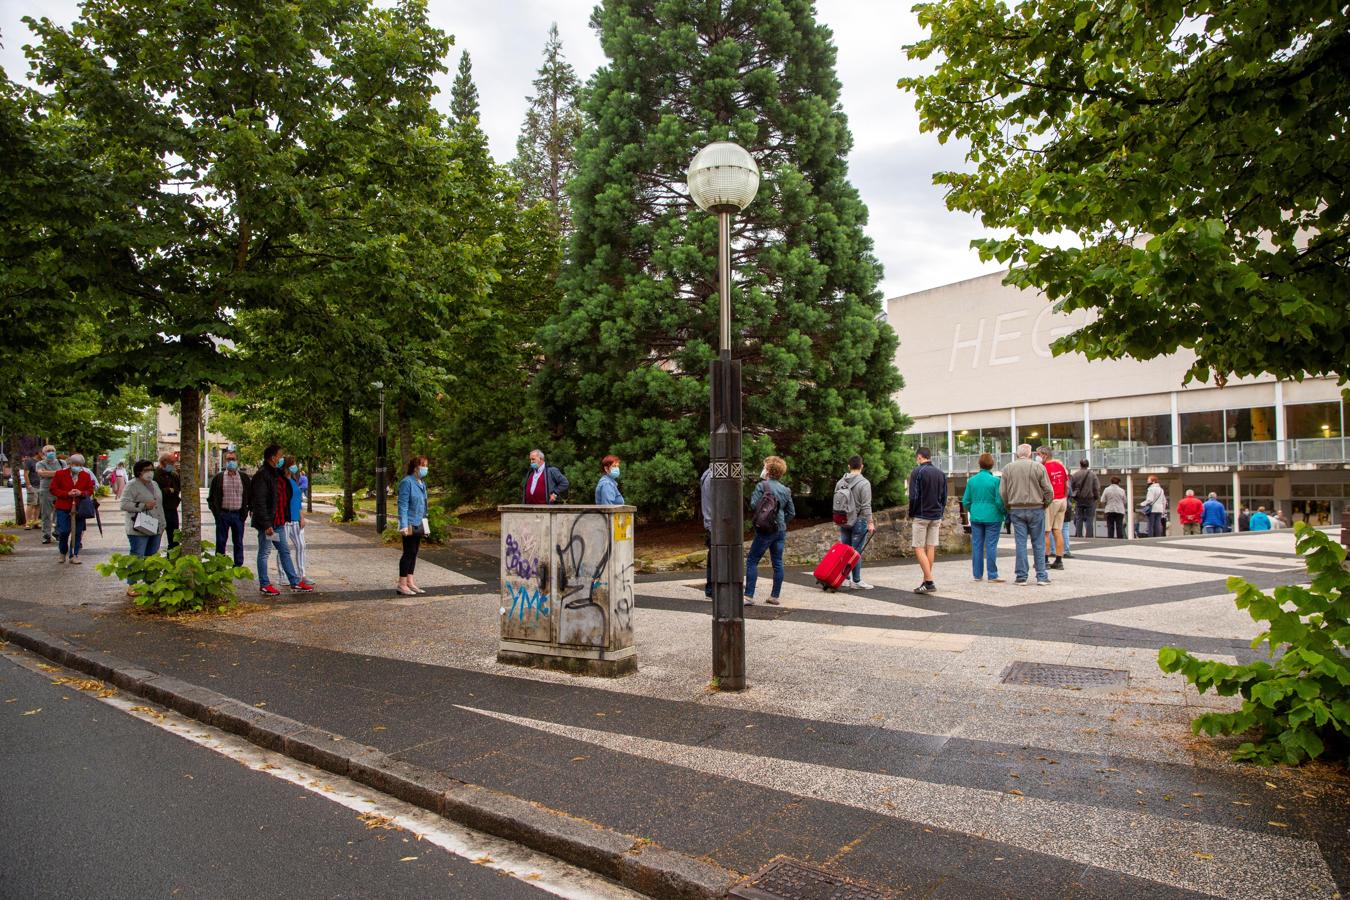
point(544, 152)
point(463, 92)
point(628, 351)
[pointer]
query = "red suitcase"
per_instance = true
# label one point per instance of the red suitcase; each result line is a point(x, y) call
point(838, 562)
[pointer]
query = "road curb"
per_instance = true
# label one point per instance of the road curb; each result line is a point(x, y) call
point(634, 862)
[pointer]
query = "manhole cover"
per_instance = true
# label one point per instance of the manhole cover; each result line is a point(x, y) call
point(1071, 677)
point(787, 879)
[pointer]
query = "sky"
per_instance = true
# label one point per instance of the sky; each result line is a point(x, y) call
point(918, 241)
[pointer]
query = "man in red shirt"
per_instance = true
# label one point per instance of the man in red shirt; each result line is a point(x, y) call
point(1191, 510)
point(1054, 516)
point(68, 486)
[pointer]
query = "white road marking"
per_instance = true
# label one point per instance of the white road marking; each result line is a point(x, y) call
point(1211, 859)
point(535, 869)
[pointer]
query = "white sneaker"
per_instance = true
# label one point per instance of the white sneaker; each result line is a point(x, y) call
point(862, 586)
point(845, 585)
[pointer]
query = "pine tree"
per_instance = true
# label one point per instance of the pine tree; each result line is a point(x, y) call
point(544, 152)
point(628, 352)
point(463, 92)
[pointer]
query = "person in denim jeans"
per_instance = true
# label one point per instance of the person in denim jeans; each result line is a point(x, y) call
point(774, 469)
point(1027, 493)
point(985, 505)
point(858, 524)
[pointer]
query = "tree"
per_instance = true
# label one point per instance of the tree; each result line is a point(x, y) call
point(227, 131)
point(544, 151)
point(627, 354)
point(1195, 149)
point(463, 92)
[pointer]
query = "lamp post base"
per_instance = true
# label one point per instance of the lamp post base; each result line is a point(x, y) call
point(728, 531)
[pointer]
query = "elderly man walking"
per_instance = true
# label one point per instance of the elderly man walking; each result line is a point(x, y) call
point(47, 467)
point(1027, 494)
point(544, 484)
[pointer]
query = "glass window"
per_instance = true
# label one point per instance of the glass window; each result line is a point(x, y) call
point(1313, 420)
point(1154, 431)
point(967, 440)
point(1035, 435)
point(1066, 435)
point(1253, 424)
point(1202, 427)
point(1108, 433)
point(996, 440)
point(935, 442)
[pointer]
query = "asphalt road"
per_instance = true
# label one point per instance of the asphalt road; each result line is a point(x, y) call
point(97, 803)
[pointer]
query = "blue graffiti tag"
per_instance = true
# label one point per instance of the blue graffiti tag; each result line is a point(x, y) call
point(524, 598)
point(516, 564)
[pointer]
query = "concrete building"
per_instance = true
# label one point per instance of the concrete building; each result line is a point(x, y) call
point(979, 376)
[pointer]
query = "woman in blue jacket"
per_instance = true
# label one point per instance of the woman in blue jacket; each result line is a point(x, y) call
point(607, 488)
point(412, 513)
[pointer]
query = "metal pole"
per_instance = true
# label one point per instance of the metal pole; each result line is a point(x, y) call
point(381, 512)
point(724, 452)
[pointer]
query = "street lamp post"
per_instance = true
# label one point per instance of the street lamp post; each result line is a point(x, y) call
point(723, 178)
point(381, 473)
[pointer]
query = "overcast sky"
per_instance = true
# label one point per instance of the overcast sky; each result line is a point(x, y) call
point(919, 242)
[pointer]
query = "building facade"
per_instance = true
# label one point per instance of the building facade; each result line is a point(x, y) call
point(980, 377)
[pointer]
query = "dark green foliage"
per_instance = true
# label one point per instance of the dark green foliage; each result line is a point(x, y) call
point(627, 355)
point(464, 93)
point(1298, 705)
point(178, 581)
point(1197, 149)
point(545, 150)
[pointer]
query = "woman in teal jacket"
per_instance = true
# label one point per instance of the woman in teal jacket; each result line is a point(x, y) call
point(985, 505)
point(412, 512)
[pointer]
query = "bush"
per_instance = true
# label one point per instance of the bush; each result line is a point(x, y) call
point(391, 535)
point(7, 543)
point(1300, 705)
point(337, 519)
point(178, 581)
point(102, 491)
point(440, 521)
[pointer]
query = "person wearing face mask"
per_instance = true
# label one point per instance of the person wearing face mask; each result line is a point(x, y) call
point(143, 495)
point(544, 484)
point(47, 467)
point(227, 498)
point(295, 522)
point(412, 522)
point(171, 487)
point(607, 488)
point(269, 509)
point(69, 486)
point(118, 480)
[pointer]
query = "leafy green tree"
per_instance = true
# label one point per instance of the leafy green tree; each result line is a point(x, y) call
point(544, 151)
point(463, 92)
point(227, 131)
point(628, 353)
point(1196, 150)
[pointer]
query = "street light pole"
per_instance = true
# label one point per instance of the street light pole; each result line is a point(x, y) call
point(381, 473)
point(723, 179)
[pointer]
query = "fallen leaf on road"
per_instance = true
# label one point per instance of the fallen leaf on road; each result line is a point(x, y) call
point(153, 713)
point(579, 758)
point(1270, 785)
point(1016, 792)
point(1203, 855)
point(483, 860)
point(407, 859)
point(48, 668)
point(33, 712)
point(375, 820)
point(534, 876)
point(1279, 824)
point(378, 728)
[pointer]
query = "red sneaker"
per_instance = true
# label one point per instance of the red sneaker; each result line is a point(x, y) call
point(267, 589)
point(303, 587)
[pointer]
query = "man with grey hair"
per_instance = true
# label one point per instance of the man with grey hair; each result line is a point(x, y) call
point(1027, 494)
point(544, 484)
point(47, 467)
point(1214, 520)
point(1190, 511)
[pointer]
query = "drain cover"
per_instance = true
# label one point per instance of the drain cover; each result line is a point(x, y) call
point(787, 879)
point(1071, 677)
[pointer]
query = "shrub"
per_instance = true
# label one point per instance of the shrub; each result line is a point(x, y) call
point(9, 523)
point(440, 520)
point(7, 543)
point(102, 491)
point(178, 581)
point(337, 519)
point(1299, 706)
point(391, 535)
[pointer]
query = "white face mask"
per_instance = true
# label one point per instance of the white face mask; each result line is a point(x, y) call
point(148, 475)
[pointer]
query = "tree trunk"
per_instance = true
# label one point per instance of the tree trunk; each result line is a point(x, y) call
point(348, 514)
point(309, 494)
point(404, 435)
point(189, 458)
point(15, 471)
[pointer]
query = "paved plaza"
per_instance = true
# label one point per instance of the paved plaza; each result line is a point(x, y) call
point(877, 739)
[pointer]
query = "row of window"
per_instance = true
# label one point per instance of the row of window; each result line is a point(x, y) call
point(1302, 421)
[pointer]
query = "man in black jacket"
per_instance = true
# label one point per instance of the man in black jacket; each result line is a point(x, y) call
point(227, 498)
point(269, 505)
point(927, 503)
point(171, 488)
point(1086, 491)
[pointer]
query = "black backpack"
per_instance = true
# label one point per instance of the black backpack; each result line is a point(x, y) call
point(765, 517)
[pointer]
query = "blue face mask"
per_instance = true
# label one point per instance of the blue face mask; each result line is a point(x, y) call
point(231, 464)
point(421, 471)
point(281, 462)
point(51, 456)
point(168, 467)
point(614, 473)
point(534, 467)
point(294, 469)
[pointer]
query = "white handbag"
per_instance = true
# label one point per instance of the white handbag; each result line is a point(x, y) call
point(146, 524)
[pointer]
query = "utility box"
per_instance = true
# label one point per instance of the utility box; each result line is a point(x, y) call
point(567, 588)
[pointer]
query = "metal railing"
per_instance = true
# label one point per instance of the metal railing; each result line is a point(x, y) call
point(1302, 450)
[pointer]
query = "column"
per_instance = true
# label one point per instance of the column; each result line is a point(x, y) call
point(1279, 422)
point(1176, 432)
point(1237, 497)
point(1087, 430)
point(1129, 505)
point(951, 444)
point(1012, 425)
